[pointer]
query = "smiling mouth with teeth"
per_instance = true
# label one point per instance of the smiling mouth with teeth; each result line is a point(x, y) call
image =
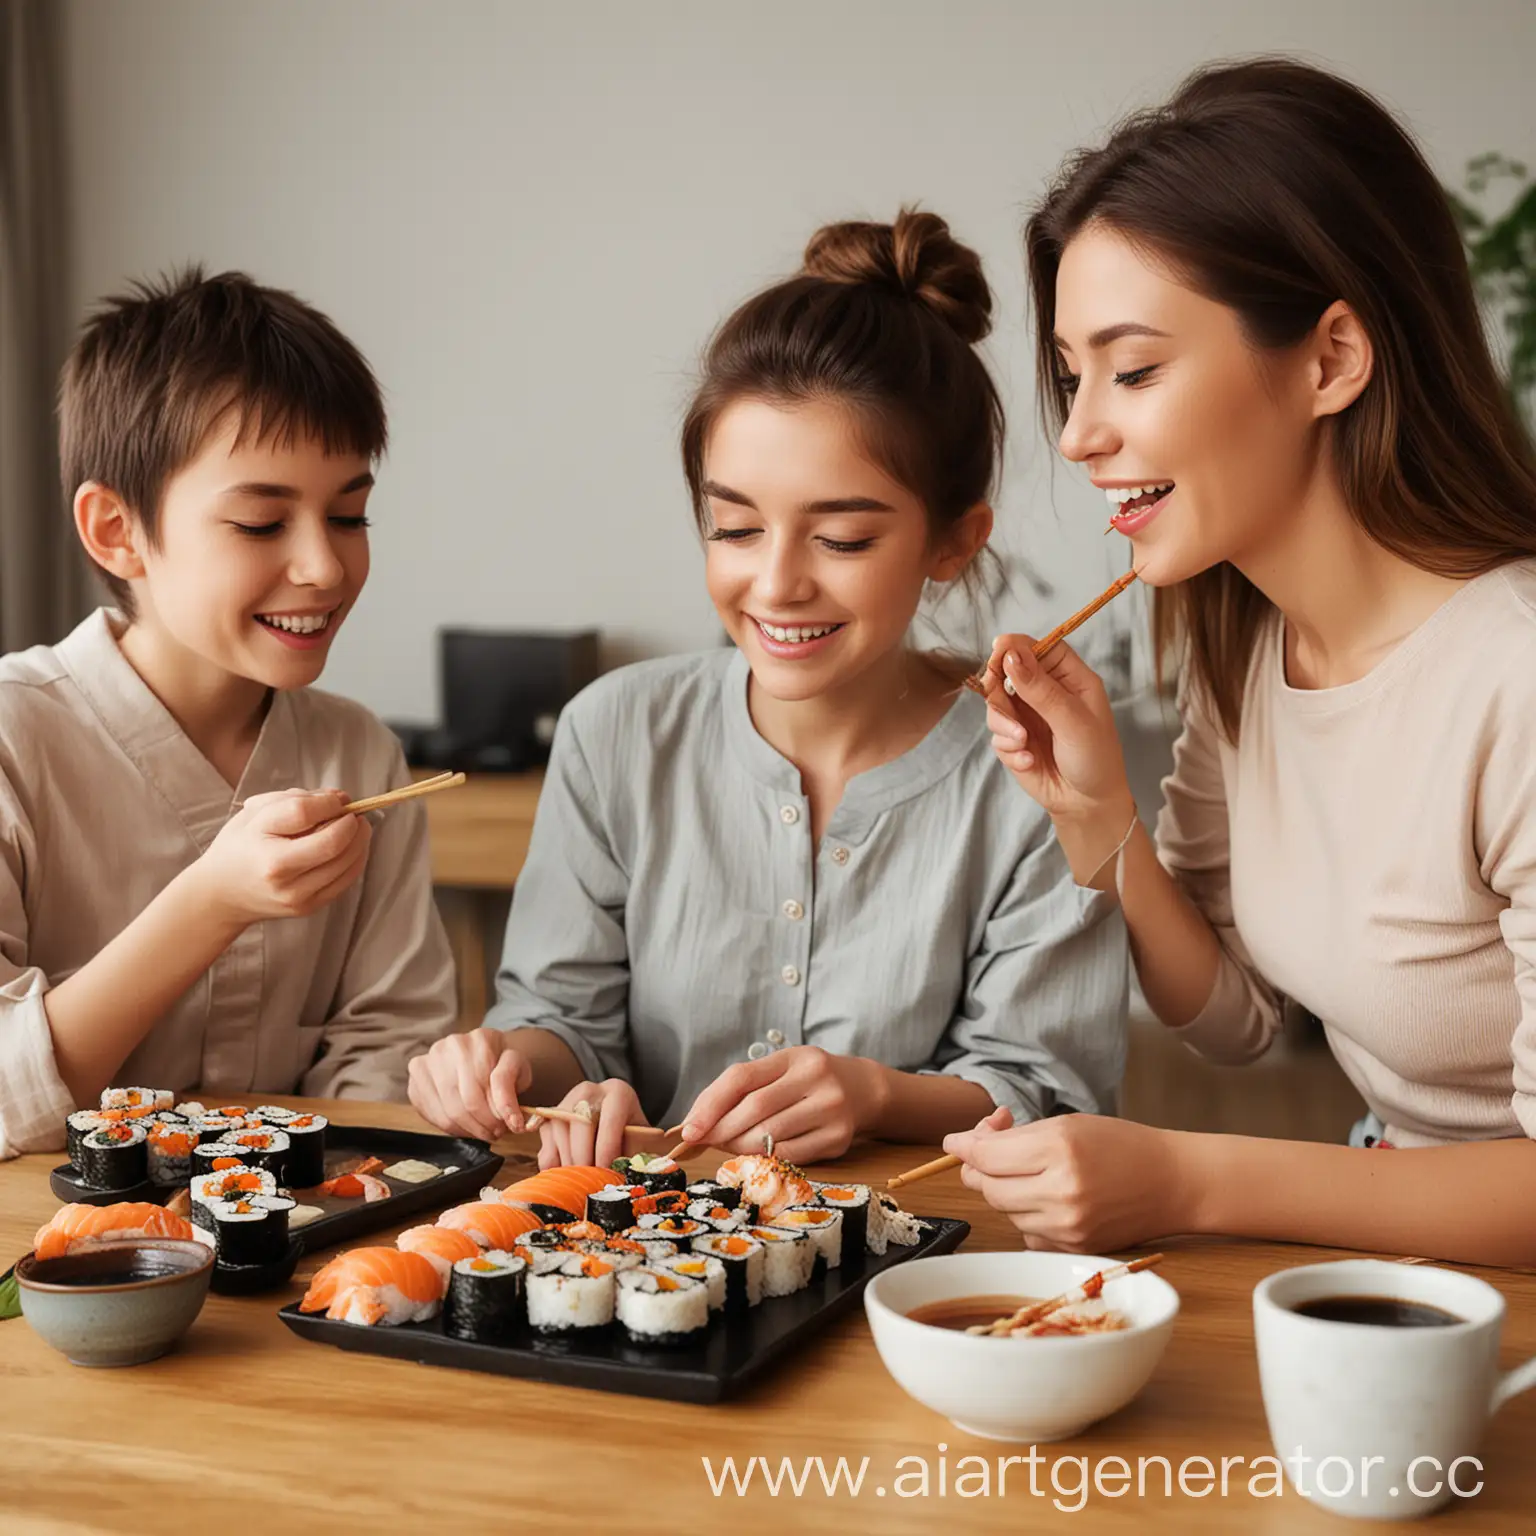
point(1128, 501)
point(296, 623)
point(795, 634)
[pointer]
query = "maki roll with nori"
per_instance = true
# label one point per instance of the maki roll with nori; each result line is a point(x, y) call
point(744, 1259)
point(250, 1229)
point(788, 1259)
point(170, 1146)
point(274, 1115)
point(137, 1098)
point(823, 1225)
point(718, 1218)
point(574, 1296)
point(486, 1302)
point(264, 1148)
point(613, 1208)
point(76, 1127)
point(235, 1183)
point(212, 1156)
point(305, 1166)
point(853, 1201)
point(703, 1267)
point(659, 1308)
point(727, 1195)
point(658, 1244)
point(114, 1156)
point(680, 1229)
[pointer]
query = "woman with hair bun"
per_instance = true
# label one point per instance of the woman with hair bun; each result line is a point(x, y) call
point(785, 889)
point(1258, 335)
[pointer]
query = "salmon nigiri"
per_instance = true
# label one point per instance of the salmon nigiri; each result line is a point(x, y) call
point(376, 1286)
point(562, 1189)
point(78, 1226)
point(492, 1226)
point(442, 1245)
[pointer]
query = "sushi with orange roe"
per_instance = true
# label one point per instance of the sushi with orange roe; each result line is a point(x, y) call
point(376, 1287)
point(79, 1226)
point(443, 1246)
point(573, 1296)
point(744, 1258)
point(771, 1184)
point(486, 1303)
point(170, 1152)
point(491, 1226)
point(661, 1308)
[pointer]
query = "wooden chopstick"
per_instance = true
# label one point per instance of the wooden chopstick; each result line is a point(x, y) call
point(409, 792)
point(1090, 1288)
point(571, 1117)
point(978, 684)
point(924, 1171)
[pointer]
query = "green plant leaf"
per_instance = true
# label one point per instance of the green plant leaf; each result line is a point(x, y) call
point(10, 1295)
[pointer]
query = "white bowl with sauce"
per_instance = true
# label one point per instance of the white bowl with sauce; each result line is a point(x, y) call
point(1024, 1389)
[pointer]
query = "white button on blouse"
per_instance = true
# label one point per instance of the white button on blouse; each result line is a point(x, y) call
point(791, 976)
point(789, 814)
point(793, 911)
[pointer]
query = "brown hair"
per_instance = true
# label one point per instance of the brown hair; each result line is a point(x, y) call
point(155, 371)
point(1278, 189)
point(881, 318)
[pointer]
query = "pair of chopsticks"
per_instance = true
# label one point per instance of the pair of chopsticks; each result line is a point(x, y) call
point(409, 792)
point(978, 684)
point(1089, 1290)
point(576, 1117)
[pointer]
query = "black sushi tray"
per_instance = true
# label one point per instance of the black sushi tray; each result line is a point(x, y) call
point(473, 1163)
point(734, 1352)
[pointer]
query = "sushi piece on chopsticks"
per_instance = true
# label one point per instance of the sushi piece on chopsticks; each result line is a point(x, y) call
point(79, 1226)
point(376, 1287)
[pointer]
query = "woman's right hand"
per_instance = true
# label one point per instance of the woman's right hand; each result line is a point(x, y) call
point(1056, 734)
point(469, 1084)
point(612, 1105)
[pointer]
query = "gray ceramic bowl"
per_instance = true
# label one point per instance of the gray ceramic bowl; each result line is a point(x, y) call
point(119, 1303)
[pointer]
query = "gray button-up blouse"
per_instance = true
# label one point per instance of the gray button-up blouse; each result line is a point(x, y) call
point(674, 915)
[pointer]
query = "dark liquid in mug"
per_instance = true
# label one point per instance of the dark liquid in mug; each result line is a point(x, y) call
point(1382, 1311)
point(962, 1312)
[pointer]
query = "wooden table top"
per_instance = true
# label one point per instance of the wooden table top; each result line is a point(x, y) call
point(246, 1424)
point(480, 831)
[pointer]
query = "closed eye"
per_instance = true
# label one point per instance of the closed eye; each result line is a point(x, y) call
point(847, 546)
point(1136, 375)
point(731, 535)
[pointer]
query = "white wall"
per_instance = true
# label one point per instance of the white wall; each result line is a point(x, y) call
point(530, 216)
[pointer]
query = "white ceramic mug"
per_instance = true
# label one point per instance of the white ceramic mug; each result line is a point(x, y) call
point(1378, 1420)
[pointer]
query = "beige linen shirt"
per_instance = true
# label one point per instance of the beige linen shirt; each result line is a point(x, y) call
point(104, 799)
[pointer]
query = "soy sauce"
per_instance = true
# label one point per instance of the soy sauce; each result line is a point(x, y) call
point(1379, 1311)
point(962, 1312)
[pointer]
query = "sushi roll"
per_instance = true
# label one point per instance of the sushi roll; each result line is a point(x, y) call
point(620, 1254)
point(114, 1156)
point(170, 1144)
point(193, 1109)
point(214, 1156)
point(250, 1229)
point(306, 1135)
point(208, 1189)
point(216, 1127)
point(486, 1302)
point(575, 1295)
point(788, 1259)
point(716, 1193)
point(136, 1098)
point(668, 1202)
point(542, 1237)
point(678, 1229)
point(657, 1244)
point(744, 1260)
point(703, 1267)
point(657, 1307)
point(263, 1149)
point(76, 1127)
point(274, 1115)
point(655, 1171)
point(822, 1224)
point(853, 1201)
point(718, 1218)
point(613, 1208)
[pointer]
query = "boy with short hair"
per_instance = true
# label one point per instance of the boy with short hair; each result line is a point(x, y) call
point(173, 912)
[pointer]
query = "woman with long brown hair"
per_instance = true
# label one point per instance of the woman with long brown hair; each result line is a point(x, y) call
point(1258, 334)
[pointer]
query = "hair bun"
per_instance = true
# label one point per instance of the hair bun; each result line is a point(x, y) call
point(916, 257)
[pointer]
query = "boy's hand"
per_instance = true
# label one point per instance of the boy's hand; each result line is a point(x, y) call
point(810, 1101)
point(614, 1104)
point(469, 1084)
point(283, 855)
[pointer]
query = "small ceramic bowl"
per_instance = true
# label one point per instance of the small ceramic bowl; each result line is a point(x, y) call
point(1027, 1389)
point(118, 1303)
